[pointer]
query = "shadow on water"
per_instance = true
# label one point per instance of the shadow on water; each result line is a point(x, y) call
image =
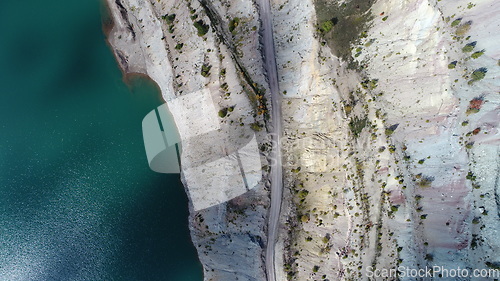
point(77, 198)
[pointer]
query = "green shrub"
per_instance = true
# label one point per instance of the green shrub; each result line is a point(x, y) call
point(357, 125)
point(205, 70)
point(327, 26)
point(326, 239)
point(470, 176)
point(493, 265)
point(303, 194)
point(223, 112)
point(469, 47)
point(425, 181)
point(179, 46)
point(385, 18)
point(469, 145)
point(369, 84)
point(456, 22)
point(478, 74)
point(201, 27)
point(234, 23)
point(477, 54)
point(391, 129)
point(452, 65)
point(224, 86)
point(169, 18)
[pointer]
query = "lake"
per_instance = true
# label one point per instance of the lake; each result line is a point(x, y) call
point(77, 198)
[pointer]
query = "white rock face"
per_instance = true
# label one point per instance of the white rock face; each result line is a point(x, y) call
point(406, 180)
point(214, 85)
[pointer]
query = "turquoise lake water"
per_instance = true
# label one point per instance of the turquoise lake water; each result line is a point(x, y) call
point(77, 199)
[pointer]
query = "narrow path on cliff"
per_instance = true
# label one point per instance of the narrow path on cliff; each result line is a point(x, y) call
point(276, 168)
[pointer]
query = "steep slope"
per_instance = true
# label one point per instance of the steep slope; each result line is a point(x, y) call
point(390, 129)
point(392, 141)
point(205, 57)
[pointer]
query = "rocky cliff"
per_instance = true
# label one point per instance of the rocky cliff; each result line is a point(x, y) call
point(390, 112)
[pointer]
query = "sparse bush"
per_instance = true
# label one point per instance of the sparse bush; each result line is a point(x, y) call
point(223, 112)
point(392, 148)
point(469, 47)
point(470, 176)
point(169, 18)
point(425, 181)
point(304, 218)
point(326, 239)
point(205, 70)
point(201, 27)
point(463, 29)
point(389, 131)
point(475, 105)
point(233, 24)
point(493, 265)
point(303, 194)
point(224, 86)
point(357, 125)
point(369, 84)
point(456, 22)
point(478, 74)
point(477, 54)
point(327, 26)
